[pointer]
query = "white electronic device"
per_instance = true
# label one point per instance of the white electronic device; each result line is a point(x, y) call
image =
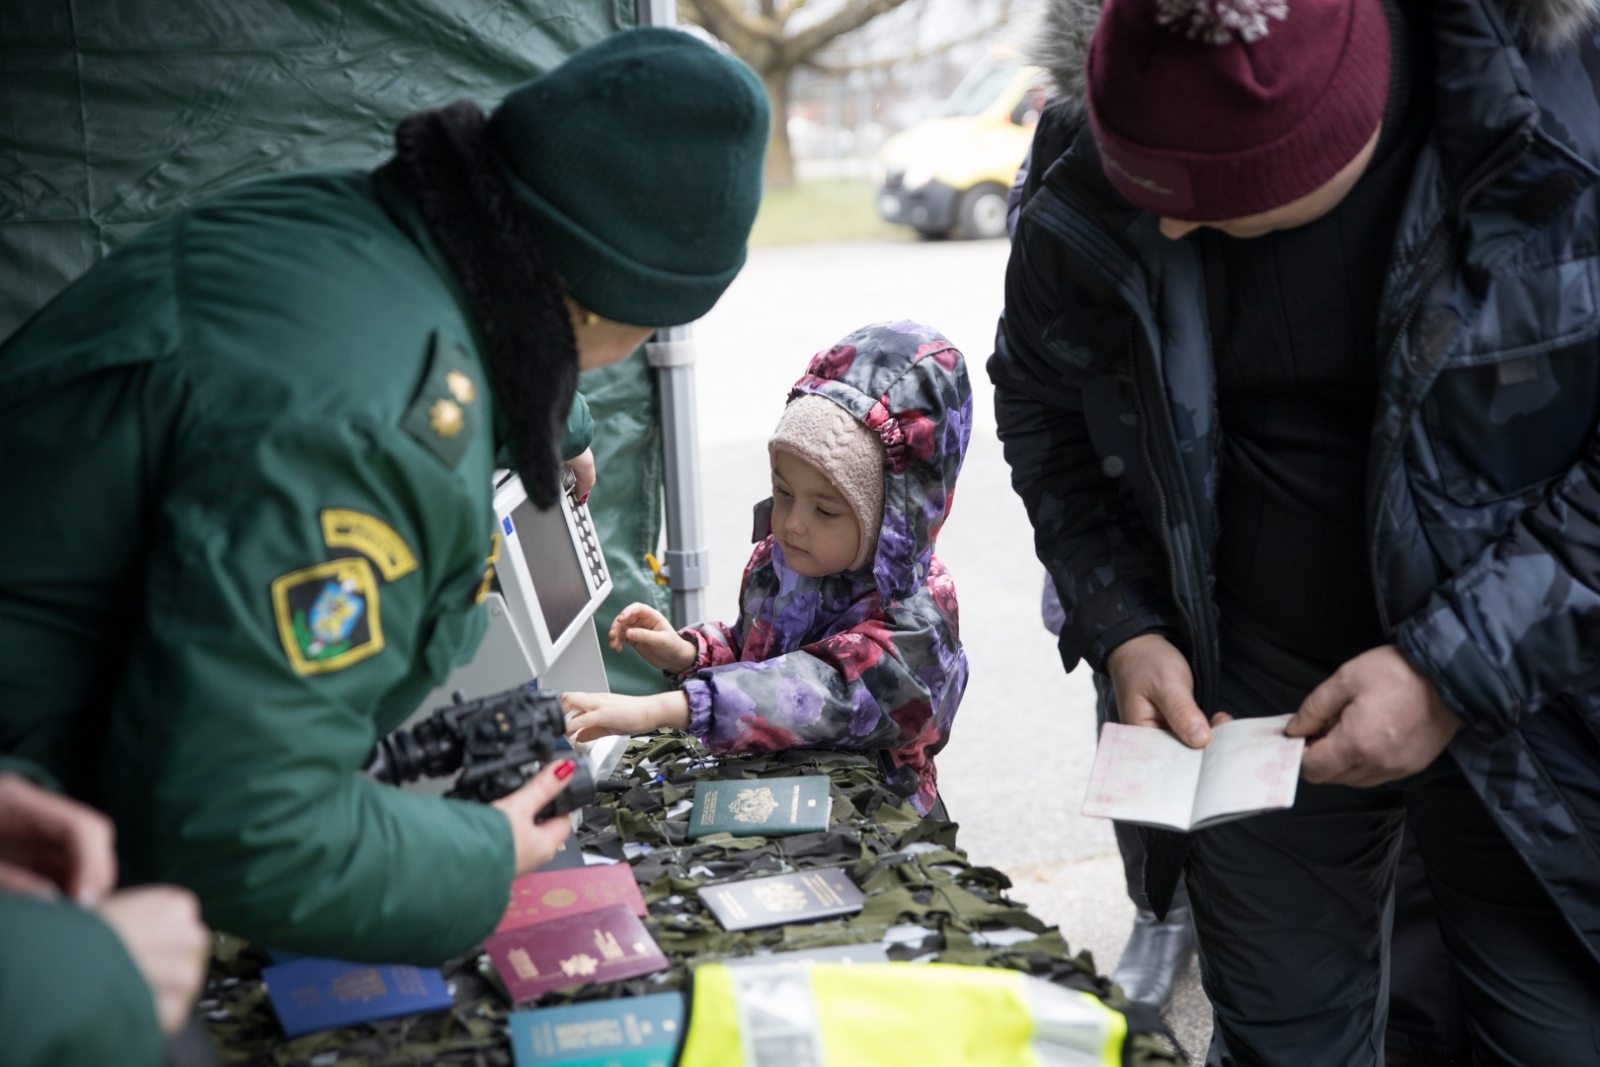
point(550, 578)
point(550, 570)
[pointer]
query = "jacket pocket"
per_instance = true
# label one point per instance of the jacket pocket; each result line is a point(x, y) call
point(1517, 403)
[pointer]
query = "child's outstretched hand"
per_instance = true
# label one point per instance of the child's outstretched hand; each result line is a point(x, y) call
point(649, 633)
point(591, 716)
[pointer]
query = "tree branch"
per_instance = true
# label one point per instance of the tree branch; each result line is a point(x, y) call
point(857, 13)
point(752, 38)
point(825, 67)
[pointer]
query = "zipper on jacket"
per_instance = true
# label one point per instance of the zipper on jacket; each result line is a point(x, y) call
point(1075, 229)
point(1207, 649)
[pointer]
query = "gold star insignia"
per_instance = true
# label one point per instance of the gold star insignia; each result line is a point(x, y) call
point(460, 387)
point(445, 417)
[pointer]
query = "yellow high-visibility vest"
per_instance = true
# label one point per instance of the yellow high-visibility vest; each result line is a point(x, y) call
point(804, 1014)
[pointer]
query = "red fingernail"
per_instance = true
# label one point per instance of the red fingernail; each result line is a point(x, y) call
point(565, 768)
point(585, 499)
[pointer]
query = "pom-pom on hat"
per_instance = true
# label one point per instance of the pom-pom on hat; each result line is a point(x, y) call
point(1207, 110)
point(848, 454)
point(639, 162)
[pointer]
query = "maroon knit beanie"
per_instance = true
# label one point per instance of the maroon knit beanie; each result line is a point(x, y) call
point(1206, 110)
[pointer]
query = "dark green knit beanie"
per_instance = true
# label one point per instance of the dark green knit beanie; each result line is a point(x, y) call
point(640, 161)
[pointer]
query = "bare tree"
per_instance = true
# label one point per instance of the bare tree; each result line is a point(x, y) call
point(762, 37)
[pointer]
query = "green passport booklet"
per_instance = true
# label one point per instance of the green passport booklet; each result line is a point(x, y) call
point(748, 806)
point(803, 896)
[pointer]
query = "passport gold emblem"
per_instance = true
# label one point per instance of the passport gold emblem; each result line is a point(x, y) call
point(753, 805)
point(445, 418)
point(559, 898)
point(460, 387)
point(522, 963)
point(360, 985)
point(606, 941)
point(582, 965)
point(780, 896)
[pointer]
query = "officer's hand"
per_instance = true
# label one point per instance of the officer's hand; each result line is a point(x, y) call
point(160, 927)
point(1376, 719)
point(536, 842)
point(591, 716)
point(1156, 688)
point(50, 844)
point(648, 633)
point(583, 466)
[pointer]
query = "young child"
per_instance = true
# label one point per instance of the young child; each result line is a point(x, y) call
point(847, 636)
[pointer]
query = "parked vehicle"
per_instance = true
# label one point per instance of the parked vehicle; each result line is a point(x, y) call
point(949, 175)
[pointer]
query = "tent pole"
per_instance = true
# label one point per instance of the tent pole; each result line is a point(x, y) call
point(672, 356)
point(658, 12)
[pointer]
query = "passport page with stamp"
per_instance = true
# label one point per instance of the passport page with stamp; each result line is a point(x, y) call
point(1147, 776)
point(312, 994)
point(783, 898)
point(603, 945)
point(745, 807)
point(626, 1032)
point(547, 894)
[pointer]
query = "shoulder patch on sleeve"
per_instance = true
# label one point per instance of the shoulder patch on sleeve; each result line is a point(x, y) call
point(488, 570)
point(328, 615)
point(372, 537)
point(447, 412)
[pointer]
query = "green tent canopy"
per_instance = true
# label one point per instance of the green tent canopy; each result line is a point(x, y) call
point(118, 112)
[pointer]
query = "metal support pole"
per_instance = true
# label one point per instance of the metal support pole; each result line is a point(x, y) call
point(658, 12)
point(672, 356)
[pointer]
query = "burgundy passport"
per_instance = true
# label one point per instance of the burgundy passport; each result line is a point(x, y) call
point(603, 945)
point(545, 895)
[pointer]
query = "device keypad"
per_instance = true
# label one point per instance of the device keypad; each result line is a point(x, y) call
point(592, 556)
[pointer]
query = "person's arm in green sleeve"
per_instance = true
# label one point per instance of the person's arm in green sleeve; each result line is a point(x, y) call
point(70, 995)
point(580, 429)
point(249, 701)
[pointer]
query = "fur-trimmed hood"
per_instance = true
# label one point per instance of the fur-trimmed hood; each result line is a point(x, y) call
point(1061, 43)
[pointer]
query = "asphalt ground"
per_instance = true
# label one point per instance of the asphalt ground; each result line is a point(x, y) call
point(1018, 761)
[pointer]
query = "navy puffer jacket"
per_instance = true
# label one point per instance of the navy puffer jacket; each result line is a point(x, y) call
point(1483, 495)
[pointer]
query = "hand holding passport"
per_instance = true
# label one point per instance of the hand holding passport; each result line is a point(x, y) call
point(1147, 776)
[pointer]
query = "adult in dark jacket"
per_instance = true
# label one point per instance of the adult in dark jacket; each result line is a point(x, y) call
point(1335, 454)
point(249, 463)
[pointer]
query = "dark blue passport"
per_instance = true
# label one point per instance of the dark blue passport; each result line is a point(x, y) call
point(312, 994)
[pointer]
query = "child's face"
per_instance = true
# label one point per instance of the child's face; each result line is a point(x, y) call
point(816, 528)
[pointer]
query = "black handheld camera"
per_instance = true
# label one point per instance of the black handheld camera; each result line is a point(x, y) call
point(496, 742)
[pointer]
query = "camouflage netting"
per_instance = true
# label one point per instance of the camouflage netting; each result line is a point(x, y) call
point(923, 899)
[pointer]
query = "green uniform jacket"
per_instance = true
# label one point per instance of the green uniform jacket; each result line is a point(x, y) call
point(246, 462)
point(70, 996)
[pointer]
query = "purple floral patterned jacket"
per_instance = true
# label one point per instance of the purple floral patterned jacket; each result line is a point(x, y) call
point(869, 659)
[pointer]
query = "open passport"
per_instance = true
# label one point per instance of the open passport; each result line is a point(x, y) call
point(1144, 775)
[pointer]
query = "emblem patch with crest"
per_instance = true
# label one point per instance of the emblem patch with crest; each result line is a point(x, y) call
point(328, 615)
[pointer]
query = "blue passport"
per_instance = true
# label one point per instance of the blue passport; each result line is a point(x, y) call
point(311, 994)
point(627, 1032)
